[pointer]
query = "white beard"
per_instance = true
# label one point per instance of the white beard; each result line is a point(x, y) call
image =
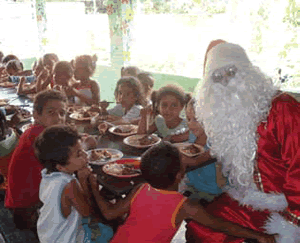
point(230, 116)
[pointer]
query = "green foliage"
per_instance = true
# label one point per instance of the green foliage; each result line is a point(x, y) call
point(292, 14)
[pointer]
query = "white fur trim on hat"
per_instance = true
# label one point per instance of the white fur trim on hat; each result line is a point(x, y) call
point(224, 54)
point(288, 233)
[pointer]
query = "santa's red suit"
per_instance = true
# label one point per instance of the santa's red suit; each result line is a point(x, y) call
point(277, 171)
point(274, 206)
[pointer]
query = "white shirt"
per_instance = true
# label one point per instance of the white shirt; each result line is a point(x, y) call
point(52, 226)
point(132, 114)
point(162, 129)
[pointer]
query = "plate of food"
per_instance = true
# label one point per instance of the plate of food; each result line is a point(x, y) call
point(3, 102)
point(142, 140)
point(8, 85)
point(103, 155)
point(22, 115)
point(82, 115)
point(124, 168)
point(189, 149)
point(124, 130)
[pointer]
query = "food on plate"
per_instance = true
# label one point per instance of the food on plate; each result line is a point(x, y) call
point(125, 129)
point(191, 149)
point(86, 114)
point(121, 169)
point(100, 154)
point(94, 108)
point(146, 140)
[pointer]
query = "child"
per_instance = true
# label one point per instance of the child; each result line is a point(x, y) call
point(65, 199)
point(131, 97)
point(28, 85)
point(205, 182)
point(86, 91)
point(8, 141)
point(168, 102)
point(130, 71)
point(147, 81)
point(24, 169)
point(45, 78)
point(62, 79)
point(157, 209)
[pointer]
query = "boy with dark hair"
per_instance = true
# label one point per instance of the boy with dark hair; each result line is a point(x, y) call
point(65, 198)
point(24, 170)
point(157, 209)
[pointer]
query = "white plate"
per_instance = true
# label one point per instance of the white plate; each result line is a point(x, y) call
point(25, 127)
point(116, 154)
point(133, 141)
point(124, 128)
point(79, 116)
point(181, 146)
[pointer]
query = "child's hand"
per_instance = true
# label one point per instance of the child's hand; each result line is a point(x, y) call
point(148, 110)
point(44, 74)
point(102, 128)
point(84, 173)
point(94, 183)
point(196, 127)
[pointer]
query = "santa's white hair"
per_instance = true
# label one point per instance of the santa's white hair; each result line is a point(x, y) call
point(230, 115)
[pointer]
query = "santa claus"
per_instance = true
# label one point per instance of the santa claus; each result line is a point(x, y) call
point(254, 132)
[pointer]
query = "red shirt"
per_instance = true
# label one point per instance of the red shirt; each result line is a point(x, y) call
point(152, 216)
point(278, 168)
point(24, 172)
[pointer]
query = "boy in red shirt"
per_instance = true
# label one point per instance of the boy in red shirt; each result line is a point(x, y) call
point(157, 209)
point(24, 170)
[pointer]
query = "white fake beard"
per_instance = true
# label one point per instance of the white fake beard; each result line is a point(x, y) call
point(230, 116)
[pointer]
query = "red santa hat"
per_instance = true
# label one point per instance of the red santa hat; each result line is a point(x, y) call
point(221, 53)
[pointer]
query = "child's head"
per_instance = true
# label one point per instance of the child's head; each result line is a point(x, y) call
point(8, 58)
point(37, 67)
point(169, 101)
point(130, 71)
point(62, 73)
point(49, 108)
point(58, 148)
point(49, 60)
point(161, 166)
point(147, 81)
point(84, 66)
point(13, 67)
point(129, 91)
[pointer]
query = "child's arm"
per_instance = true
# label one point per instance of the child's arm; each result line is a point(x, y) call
point(142, 129)
point(95, 92)
point(90, 101)
point(43, 80)
point(111, 211)
point(77, 195)
point(21, 90)
point(192, 210)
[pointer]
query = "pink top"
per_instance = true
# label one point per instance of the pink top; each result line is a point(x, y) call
point(152, 216)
